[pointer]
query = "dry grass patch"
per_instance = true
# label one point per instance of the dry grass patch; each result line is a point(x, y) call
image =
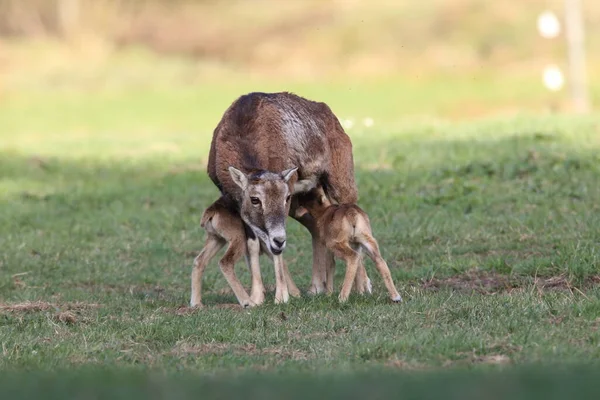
point(484, 282)
point(184, 349)
point(37, 306)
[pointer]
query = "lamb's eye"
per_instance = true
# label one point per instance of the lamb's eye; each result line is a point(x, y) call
point(255, 200)
point(287, 199)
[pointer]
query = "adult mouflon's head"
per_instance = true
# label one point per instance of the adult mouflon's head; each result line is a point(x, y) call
point(265, 204)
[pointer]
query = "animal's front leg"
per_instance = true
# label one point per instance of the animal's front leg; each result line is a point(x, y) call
point(258, 290)
point(292, 288)
point(281, 288)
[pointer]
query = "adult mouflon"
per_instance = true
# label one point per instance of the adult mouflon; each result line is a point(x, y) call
point(266, 134)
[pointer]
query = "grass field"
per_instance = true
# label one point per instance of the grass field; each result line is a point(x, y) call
point(490, 227)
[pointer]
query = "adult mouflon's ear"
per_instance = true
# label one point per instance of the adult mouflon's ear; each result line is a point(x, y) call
point(287, 174)
point(239, 177)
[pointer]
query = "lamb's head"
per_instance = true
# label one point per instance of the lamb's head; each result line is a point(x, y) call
point(265, 204)
point(314, 202)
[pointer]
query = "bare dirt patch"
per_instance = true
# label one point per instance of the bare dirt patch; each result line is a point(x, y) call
point(490, 282)
point(474, 281)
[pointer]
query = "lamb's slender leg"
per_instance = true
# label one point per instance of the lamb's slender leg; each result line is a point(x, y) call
point(372, 248)
point(352, 260)
point(258, 289)
point(234, 252)
point(281, 288)
point(212, 246)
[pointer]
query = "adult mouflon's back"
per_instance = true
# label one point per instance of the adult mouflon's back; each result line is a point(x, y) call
point(278, 131)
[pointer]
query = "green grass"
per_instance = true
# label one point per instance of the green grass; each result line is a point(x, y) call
point(491, 230)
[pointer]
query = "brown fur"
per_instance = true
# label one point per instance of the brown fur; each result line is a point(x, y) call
point(224, 226)
point(278, 131)
point(346, 231)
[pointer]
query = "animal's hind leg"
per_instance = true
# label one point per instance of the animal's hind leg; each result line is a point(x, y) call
point(212, 246)
point(372, 248)
point(234, 252)
point(352, 259)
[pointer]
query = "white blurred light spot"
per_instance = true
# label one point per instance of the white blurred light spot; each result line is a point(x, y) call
point(548, 25)
point(347, 123)
point(553, 78)
point(368, 122)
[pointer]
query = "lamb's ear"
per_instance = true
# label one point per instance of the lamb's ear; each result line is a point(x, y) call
point(239, 177)
point(303, 186)
point(300, 211)
point(287, 174)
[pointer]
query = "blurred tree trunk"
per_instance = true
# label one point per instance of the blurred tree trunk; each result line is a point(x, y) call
point(575, 35)
point(67, 16)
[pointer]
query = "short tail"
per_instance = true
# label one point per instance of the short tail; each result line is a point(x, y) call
point(352, 216)
point(207, 216)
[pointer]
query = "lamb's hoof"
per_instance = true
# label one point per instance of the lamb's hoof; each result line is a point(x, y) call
point(295, 293)
point(315, 290)
point(369, 286)
point(342, 299)
point(281, 299)
point(257, 300)
point(196, 304)
point(248, 304)
point(397, 299)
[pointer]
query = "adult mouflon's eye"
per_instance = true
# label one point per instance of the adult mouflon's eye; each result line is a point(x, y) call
point(255, 200)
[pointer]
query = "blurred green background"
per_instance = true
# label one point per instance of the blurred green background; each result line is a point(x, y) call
point(447, 58)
